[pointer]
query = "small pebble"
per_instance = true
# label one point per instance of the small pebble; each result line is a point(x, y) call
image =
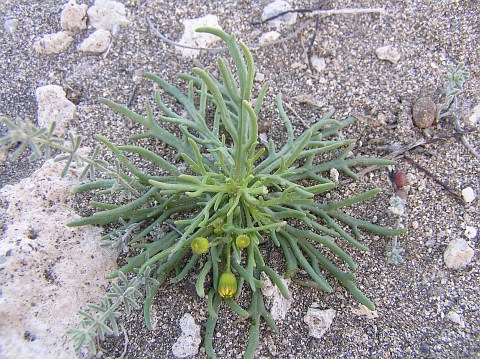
point(10, 25)
point(388, 53)
point(468, 194)
point(424, 112)
point(470, 232)
point(456, 318)
point(458, 254)
point(319, 321)
point(278, 7)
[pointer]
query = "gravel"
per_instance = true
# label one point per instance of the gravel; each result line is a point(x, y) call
point(415, 300)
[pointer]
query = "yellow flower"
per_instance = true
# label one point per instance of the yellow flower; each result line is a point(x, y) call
point(200, 245)
point(227, 285)
point(243, 241)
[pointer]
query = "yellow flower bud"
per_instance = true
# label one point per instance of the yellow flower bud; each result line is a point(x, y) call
point(227, 285)
point(200, 245)
point(243, 241)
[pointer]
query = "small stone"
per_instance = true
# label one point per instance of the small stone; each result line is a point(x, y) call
point(53, 43)
point(475, 116)
point(279, 304)
point(189, 341)
point(276, 8)
point(365, 312)
point(73, 16)
point(319, 321)
point(458, 254)
point(400, 179)
point(424, 112)
point(468, 194)
point(388, 53)
point(54, 106)
point(198, 39)
point(470, 232)
point(456, 318)
point(269, 37)
point(10, 25)
point(259, 77)
point(97, 42)
point(318, 63)
point(107, 15)
point(334, 174)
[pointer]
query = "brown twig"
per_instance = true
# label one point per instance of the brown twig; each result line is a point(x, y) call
point(449, 189)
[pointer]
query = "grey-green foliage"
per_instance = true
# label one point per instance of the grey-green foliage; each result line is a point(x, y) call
point(453, 86)
point(233, 187)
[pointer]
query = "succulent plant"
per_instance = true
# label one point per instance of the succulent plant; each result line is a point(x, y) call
point(234, 199)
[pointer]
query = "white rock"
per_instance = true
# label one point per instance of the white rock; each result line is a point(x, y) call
point(470, 232)
point(189, 341)
point(456, 318)
point(196, 39)
point(53, 43)
point(97, 42)
point(107, 15)
point(10, 25)
point(74, 16)
point(47, 270)
point(388, 53)
point(318, 63)
point(269, 37)
point(276, 8)
point(319, 321)
point(54, 106)
point(468, 194)
point(458, 254)
point(279, 304)
point(475, 116)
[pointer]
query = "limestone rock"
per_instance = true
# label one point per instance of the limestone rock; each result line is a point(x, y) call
point(269, 37)
point(189, 341)
point(468, 194)
point(47, 270)
point(107, 15)
point(458, 254)
point(388, 53)
point(53, 43)
point(54, 106)
point(97, 42)
point(276, 8)
point(74, 16)
point(196, 39)
point(319, 321)
point(279, 304)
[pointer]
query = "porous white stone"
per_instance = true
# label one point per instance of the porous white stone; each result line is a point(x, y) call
point(469, 194)
point(74, 16)
point(107, 15)
point(10, 25)
point(318, 63)
point(388, 53)
point(197, 39)
point(54, 106)
point(319, 321)
point(279, 304)
point(470, 232)
point(53, 43)
point(189, 341)
point(47, 270)
point(269, 37)
point(276, 8)
point(475, 116)
point(456, 318)
point(97, 42)
point(458, 254)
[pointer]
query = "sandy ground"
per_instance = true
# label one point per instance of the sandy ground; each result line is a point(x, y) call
point(413, 299)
